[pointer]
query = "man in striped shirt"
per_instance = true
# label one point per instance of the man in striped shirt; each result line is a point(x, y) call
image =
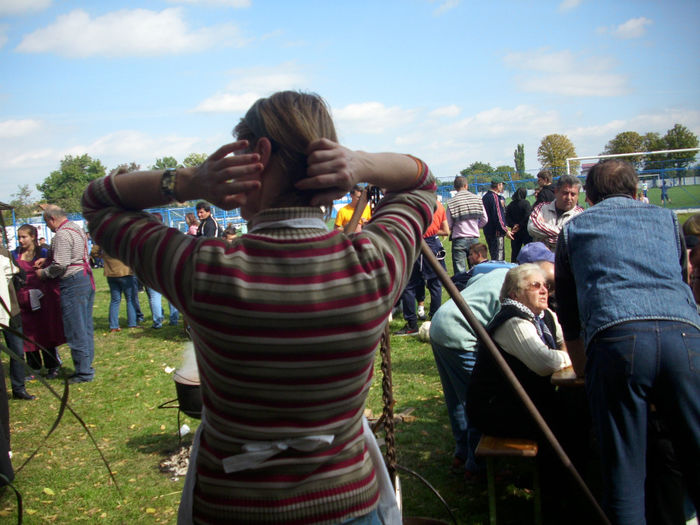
point(70, 264)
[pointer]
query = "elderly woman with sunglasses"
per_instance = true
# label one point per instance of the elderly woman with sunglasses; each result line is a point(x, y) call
point(530, 339)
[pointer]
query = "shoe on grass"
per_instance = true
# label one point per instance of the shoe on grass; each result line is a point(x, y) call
point(407, 330)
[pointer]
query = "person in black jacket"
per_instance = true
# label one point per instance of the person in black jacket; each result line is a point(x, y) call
point(208, 226)
point(545, 191)
point(495, 229)
point(517, 215)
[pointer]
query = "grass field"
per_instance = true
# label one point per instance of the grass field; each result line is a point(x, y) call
point(67, 482)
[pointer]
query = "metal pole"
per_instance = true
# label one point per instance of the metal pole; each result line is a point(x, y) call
point(484, 337)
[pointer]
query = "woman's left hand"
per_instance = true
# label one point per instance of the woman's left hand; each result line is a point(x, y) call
point(225, 179)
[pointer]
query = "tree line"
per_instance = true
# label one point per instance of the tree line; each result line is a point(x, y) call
point(64, 186)
point(554, 149)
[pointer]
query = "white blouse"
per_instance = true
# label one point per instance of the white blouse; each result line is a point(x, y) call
point(519, 338)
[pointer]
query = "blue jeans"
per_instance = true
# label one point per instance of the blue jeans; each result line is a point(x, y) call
point(16, 344)
point(460, 250)
point(117, 286)
point(77, 299)
point(630, 366)
point(137, 304)
point(497, 247)
point(421, 274)
point(455, 369)
point(174, 314)
point(154, 299)
point(368, 519)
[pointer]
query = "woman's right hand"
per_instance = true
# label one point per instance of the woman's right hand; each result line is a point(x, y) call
point(225, 179)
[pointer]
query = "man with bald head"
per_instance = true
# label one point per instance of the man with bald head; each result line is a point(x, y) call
point(70, 264)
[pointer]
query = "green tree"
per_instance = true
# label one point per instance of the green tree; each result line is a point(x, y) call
point(553, 152)
point(23, 202)
point(626, 142)
point(519, 158)
point(131, 166)
point(195, 159)
point(504, 171)
point(680, 137)
point(166, 163)
point(65, 186)
point(477, 168)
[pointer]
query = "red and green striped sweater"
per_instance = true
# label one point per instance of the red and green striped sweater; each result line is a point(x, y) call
point(286, 322)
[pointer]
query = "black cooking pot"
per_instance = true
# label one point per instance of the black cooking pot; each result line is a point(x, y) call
point(189, 398)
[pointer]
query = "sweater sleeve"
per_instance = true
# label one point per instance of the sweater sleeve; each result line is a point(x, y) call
point(162, 257)
point(397, 227)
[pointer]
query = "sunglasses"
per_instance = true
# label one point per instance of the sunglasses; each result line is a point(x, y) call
point(536, 285)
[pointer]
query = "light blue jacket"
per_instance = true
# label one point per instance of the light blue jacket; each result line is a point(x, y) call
point(450, 329)
point(621, 260)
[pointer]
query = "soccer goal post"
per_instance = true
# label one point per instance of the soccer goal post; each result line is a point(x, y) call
point(594, 157)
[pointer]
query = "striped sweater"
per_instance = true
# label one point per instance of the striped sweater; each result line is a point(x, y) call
point(286, 322)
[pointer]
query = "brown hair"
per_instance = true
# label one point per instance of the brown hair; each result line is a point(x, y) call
point(479, 248)
point(291, 121)
point(610, 177)
point(545, 175)
point(190, 219)
point(692, 225)
point(31, 230)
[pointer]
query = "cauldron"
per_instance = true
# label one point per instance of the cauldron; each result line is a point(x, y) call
point(189, 398)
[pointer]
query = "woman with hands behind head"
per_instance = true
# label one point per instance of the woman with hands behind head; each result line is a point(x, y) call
point(286, 318)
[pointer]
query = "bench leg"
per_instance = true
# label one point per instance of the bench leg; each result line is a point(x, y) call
point(492, 489)
point(538, 494)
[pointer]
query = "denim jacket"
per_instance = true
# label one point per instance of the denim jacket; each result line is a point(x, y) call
point(621, 260)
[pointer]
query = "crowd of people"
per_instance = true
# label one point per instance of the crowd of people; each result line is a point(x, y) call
point(285, 376)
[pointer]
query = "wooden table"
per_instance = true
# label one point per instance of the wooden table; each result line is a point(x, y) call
point(567, 377)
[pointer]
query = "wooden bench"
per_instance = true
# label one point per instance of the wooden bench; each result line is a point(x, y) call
point(491, 447)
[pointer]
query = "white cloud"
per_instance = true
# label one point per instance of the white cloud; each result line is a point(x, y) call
point(446, 5)
point(633, 28)
point(135, 32)
point(227, 103)
point(445, 111)
point(3, 35)
point(221, 3)
point(372, 117)
point(19, 7)
point(568, 5)
point(250, 84)
point(18, 128)
point(449, 144)
point(130, 144)
point(563, 73)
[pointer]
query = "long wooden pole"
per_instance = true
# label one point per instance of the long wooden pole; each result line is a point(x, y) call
point(488, 343)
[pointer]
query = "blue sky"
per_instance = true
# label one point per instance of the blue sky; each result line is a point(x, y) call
point(451, 81)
